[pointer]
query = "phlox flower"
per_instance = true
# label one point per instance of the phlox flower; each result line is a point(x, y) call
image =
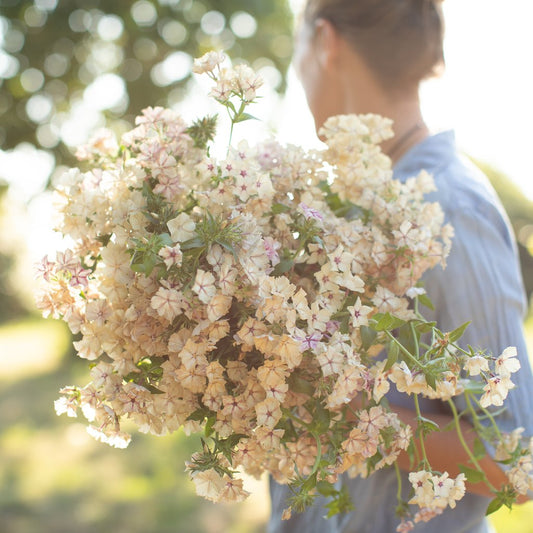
point(247, 81)
point(289, 351)
point(521, 475)
point(167, 302)
point(268, 412)
point(208, 62)
point(507, 363)
point(271, 249)
point(218, 306)
point(508, 444)
point(496, 391)
point(476, 364)
point(310, 212)
point(181, 228)
point(204, 285)
point(45, 268)
point(233, 491)
point(66, 405)
point(171, 255)
point(209, 484)
point(359, 313)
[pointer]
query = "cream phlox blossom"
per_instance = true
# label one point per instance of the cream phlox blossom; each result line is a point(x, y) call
point(181, 228)
point(476, 364)
point(507, 363)
point(204, 285)
point(171, 255)
point(496, 391)
point(208, 62)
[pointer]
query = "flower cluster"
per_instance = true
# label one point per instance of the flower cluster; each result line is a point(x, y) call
point(252, 298)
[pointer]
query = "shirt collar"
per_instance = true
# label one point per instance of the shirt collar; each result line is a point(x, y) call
point(429, 154)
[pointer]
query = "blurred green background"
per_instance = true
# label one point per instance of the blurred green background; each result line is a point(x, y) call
point(66, 68)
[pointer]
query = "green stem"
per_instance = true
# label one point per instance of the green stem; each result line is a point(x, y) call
point(421, 438)
point(415, 338)
point(318, 454)
point(399, 479)
point(487, 413)
point(405, 351)
point(465, 445)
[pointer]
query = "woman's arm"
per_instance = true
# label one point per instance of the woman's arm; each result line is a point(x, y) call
point(445, 451)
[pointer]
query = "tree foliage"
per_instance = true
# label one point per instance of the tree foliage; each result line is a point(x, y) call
point(119, 56)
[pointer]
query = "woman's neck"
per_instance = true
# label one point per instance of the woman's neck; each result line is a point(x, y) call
point(362, 93)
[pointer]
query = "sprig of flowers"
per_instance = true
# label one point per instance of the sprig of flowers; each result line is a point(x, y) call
point(252, 297)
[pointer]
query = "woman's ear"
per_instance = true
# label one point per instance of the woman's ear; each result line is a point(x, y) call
point(327, 44)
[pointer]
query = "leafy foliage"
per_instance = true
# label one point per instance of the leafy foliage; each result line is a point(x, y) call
point(58, 50)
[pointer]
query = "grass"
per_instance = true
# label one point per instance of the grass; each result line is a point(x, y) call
point(54, 477)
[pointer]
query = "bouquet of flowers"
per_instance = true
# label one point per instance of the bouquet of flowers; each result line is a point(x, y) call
point(266, 299)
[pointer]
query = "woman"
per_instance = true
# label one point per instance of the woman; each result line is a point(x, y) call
point(369, 56)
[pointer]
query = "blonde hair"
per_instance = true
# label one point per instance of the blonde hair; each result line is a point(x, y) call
point(401, 41)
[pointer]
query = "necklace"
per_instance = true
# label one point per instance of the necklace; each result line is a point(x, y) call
point(400, 143)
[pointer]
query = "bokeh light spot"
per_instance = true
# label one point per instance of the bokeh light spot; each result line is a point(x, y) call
point(243, 24)
point(145, 49)
point(47, 136)
point(39, 108)
point(9, 65)
point(13, 41)
point(175, 67)
point(79, 20)
point(173, 33)
point(56, 65)
point(45, 5)
point(144, 13)
point(34, 17)
point(32, 80)
point(105, 92)
point(213, 22)
point(110, 27)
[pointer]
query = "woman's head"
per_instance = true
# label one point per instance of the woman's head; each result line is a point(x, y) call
point(399, 40)
point(394, 43)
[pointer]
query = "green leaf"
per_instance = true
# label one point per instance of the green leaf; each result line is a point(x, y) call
point(368, 336)
point(195, 242)
point(426, 426)
point(479, 449)
point(165, 240)
point(277, 209)
point(392, 355)
point(431, 380)
point(326, 489)
point(244, 116)
point(494, 505)
point(200, 414)
point(475, 387)
point(457, 333)
point(208, 430)
point(386, 322)
point(283, 267)
point(472, 475)
point(298, 384)
point(424, 327)
point(426, 301)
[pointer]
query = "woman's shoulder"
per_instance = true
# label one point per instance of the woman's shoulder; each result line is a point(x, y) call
point(462, 188)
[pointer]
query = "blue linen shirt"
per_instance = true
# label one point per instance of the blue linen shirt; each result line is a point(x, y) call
point(482, 283)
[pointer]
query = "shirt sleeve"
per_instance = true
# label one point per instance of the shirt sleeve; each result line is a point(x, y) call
point(482, 284)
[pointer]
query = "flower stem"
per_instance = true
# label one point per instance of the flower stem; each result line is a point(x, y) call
point(399, 479)
point(421, 437)
point(405, 351)
point(465, 445)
